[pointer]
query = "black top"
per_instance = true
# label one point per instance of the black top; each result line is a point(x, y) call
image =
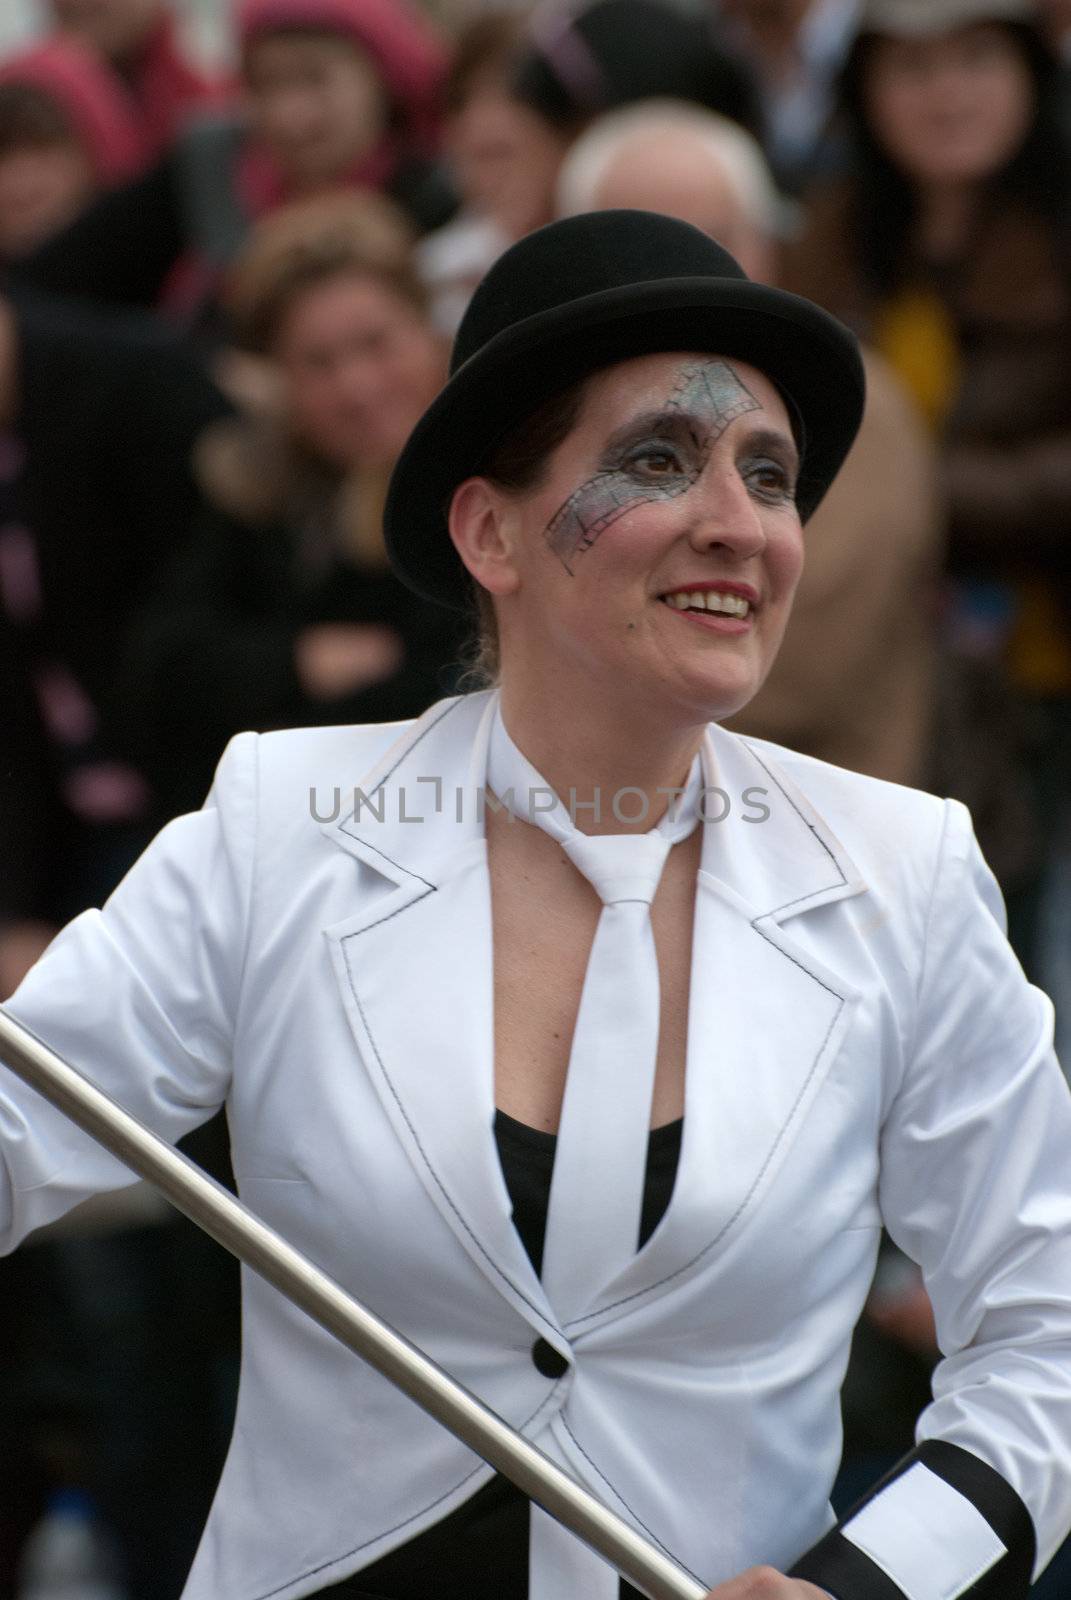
point(480, 1551)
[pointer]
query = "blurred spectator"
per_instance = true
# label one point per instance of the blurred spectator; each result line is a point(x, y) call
point(664, 155)
point(518, 95)
point(66, 132)
point(97, 420)
point(580, 64)
point(114, 1378)
point(504, 158)
point(138, 39)
point(285, 610)
point(947, 246)
point(796, 49)
point(340, 91)
point(338, 94)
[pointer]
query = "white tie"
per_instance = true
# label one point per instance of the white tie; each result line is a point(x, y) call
point(596, 1191)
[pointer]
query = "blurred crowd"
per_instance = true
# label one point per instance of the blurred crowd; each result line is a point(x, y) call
point(224, 302)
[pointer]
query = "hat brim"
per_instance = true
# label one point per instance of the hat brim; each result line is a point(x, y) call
point(810, 356)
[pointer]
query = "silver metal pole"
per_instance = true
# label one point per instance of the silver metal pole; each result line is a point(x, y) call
point(226, 1220)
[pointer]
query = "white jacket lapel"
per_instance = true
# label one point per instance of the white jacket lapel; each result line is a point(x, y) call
point(765, 1020)
point(414, 966)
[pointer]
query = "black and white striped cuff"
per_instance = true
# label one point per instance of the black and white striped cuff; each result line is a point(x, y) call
point(942, 1525)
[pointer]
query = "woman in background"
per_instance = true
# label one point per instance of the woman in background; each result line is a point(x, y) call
point(285, 610)
point(67, 133)
point(517, 96)
point(946, 247)
point(504, 158)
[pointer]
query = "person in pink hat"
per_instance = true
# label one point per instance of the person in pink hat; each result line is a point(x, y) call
point(339, 94)
point(66, 133)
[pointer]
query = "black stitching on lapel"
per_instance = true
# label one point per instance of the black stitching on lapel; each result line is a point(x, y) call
point(409, 904)
point(360, 838)
point(416, 1139)
point(811, 829)
point(409, 873)
point(638, 1294)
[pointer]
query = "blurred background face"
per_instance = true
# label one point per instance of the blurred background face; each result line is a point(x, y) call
point(953, 109)
point(505, 159)
point(359, 366)
point(42, 187)
point(317, 102)
point(116, 28)
point(674, 173)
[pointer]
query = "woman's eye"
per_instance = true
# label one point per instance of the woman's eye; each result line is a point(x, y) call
point(656, 461)
point(771, 479)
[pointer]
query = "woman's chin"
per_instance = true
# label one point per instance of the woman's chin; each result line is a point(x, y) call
point(713, 690)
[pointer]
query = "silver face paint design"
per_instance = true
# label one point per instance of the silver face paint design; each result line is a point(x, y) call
point(708, 397)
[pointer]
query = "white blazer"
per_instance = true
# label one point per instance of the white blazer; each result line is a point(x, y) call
point(862, 1048)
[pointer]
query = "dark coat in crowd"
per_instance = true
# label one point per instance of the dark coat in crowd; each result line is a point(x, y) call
point(108, 409)
point(285, 546)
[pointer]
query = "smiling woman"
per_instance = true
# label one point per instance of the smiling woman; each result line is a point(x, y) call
point(695, 458)
point(603, 1106)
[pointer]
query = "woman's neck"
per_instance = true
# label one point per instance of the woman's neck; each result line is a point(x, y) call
point(614, 776)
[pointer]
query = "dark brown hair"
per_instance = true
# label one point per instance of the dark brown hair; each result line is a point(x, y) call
point(517, 464)
point(483, 55)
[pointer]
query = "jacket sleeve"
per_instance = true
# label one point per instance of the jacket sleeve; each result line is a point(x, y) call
point(141, 996)
point(975, 1187)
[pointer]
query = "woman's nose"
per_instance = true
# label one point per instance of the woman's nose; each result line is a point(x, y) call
point(726, 514)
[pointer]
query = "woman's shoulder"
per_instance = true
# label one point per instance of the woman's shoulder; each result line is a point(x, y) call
point(345, 752)
point(278, 768)
point(874, 819)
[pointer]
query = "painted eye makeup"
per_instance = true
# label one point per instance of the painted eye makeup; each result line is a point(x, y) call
point(655, 457)
point(769, 479)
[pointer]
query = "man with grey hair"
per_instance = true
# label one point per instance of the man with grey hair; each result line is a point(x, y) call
point(671, 156)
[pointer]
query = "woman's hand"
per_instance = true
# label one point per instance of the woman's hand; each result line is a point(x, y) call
point(763, 1583)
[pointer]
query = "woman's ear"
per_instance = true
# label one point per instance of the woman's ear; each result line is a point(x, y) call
point(484, 530)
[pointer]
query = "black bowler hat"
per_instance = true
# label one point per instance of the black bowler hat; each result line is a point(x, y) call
point(585, 293)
